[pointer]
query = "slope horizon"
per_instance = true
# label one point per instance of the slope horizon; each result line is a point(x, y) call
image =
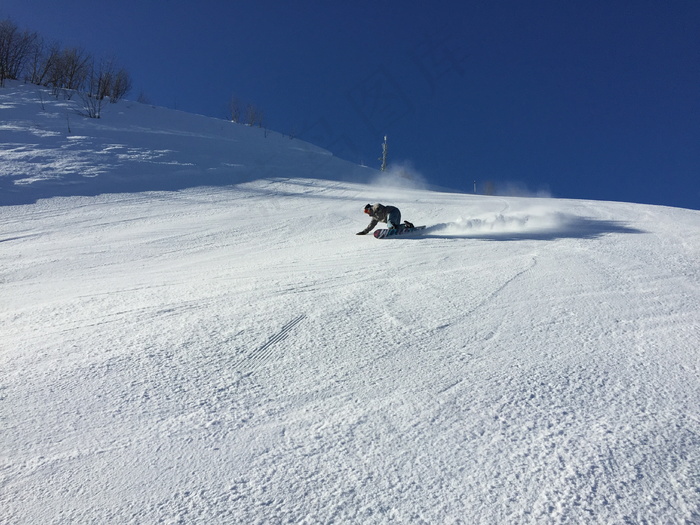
point(67, 117)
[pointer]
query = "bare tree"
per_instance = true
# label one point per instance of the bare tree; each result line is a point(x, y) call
point(112, 81)
point(74, 68)
point(121, 85)
point(234, 107)
point(15, 48)
point(35, 63)
point(143, 98)
point(44, 64)
point(253, 115)
point(67, 70)
point(64, 70)
point(97, 88)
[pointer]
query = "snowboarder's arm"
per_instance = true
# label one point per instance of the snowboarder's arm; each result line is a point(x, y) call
point(369, 228)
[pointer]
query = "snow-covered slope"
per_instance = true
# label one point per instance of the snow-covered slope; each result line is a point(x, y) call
point(233, 353)
point(49, 148)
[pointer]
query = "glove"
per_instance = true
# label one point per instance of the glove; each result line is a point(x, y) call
point(361, 233)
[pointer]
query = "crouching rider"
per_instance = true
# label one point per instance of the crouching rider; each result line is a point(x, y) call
point(391, 215)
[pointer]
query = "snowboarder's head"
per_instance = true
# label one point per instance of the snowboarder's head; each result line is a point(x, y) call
point(368, 209)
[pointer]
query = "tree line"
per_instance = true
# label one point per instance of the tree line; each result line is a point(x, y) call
point(245, 113)
point(25, 55)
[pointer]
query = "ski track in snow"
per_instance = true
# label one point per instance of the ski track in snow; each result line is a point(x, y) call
point(263, 353)
point(235, 354)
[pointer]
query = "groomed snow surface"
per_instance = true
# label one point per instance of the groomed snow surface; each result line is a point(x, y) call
point(233, 353)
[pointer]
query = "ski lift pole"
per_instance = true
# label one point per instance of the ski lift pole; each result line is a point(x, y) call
point(385, 148)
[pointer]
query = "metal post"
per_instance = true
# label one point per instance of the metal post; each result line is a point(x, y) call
point(385, 148)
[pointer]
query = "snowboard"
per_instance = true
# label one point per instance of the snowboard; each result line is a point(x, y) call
point(381, 234)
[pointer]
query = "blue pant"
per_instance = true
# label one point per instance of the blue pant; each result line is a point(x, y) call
point(394, 219)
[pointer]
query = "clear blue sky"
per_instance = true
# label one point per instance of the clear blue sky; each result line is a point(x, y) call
point(592, 99)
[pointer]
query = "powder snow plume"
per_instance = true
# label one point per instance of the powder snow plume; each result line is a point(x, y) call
point(536, 222)
point(400, 176)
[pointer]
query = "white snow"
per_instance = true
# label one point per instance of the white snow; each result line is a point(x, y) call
point(192, 333)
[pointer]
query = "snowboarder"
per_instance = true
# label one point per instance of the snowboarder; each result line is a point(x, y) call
point(391, 215)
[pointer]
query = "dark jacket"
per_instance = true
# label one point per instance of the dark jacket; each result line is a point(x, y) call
point(379, 213)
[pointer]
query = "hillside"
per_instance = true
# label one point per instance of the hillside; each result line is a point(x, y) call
point(50, 148)
point(192, 333)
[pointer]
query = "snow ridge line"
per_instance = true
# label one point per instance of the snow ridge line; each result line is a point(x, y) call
point(262, 354)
